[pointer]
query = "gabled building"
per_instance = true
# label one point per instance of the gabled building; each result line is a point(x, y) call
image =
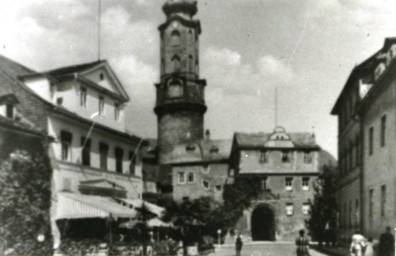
point(366, 117)
point(82, 108)
point(287, 165)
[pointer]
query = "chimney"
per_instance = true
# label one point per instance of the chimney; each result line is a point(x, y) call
point(207, 134)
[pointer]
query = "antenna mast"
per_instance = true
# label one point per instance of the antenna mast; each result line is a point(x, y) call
point(99, 21)
point(276, 107)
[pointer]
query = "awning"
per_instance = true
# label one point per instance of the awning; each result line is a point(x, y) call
point(137, 203)
point(158, 223)
point(75, 206)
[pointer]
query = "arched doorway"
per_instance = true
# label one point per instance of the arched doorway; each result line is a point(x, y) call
point(263, 224)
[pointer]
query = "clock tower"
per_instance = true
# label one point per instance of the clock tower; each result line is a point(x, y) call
point(180, 104)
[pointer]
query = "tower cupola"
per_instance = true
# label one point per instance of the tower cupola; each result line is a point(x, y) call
point(188, 7)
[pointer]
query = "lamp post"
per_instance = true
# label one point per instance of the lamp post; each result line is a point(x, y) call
point(219, 236)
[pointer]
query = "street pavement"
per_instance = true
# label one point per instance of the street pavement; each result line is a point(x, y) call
point(264, 249)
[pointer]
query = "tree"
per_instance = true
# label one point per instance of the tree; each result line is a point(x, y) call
point(25, 200)
point(324, 210)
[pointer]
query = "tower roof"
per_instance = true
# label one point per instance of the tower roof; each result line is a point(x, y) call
point(185, 6)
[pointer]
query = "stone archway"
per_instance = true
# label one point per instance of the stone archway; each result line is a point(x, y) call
point(263, 223)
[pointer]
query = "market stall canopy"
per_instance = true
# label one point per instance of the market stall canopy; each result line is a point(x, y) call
point(137, 203)
point(75, 206)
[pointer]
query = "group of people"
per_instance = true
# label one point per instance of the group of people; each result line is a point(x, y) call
point(360, 246)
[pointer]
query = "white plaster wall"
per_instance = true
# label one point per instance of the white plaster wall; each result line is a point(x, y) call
point(41, 86)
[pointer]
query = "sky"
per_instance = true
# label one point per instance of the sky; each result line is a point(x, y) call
point(305, 48)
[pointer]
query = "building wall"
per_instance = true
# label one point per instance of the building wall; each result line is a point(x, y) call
point(379, 167)
point(250, 162)
point(214, 173)
point(349, 206)
point(58, 124)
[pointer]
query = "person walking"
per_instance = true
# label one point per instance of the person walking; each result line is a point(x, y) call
point(238, 245)
point(387, 243)
point(369, 251)
point(358, 244)
point(302, 244)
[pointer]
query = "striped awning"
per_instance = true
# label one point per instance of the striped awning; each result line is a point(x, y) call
point(75, 206)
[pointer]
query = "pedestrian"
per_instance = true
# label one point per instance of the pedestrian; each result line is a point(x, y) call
point(387, 243)
point(238, 245)
point(302, 244)
point(369, 251)
point(358, 244)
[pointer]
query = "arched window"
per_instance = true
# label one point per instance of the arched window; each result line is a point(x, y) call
point(176, 63)
point(175, 38)
point(190, 37)
point(175, 89)
point(190, 63)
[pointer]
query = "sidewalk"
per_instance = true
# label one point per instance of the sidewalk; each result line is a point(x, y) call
point(333, 251)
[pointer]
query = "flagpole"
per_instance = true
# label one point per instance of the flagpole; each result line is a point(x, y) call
point(99, 21)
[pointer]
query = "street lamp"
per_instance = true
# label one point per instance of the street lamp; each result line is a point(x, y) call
point(40, 238)
point(219, 236)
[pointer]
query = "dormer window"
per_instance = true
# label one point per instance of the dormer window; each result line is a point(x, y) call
point(101, 105)
point(214, 150)
point(101, 76)
point(190, 148)
point(10, 111)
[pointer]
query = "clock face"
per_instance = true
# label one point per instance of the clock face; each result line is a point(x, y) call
point(175, 24)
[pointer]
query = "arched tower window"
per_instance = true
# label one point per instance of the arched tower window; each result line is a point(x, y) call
point(176, 63)
point(190, 37)
point(190, 63)
point(175, 88)
point(175, 38)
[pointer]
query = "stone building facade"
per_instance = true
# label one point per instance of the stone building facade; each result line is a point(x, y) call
point(92, 156)
point(287, 165)
point(367, 178)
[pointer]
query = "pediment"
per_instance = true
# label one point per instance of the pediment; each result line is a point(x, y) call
point(103, 76)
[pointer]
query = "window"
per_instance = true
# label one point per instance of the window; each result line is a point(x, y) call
point(66, 140)
point(263, 157)
point(59, 101)
point(307, 157)
point(371, 141)
point(119, 153)
point(383, 130)
point(101, 105)
point(101, 76)
point(175, 38)
point(116, 111)
point(132, 162)
point(289, 209)
point(86, 151)
point(305, 208)
point(190, 177)
point(205, 184)
point(10, 111)
point(218, 188)
point(52, 90)
point(264, 183)
point(289, 183)
point(285, 156)
point(181, 178)
point(383, 199)
point(206, 168)
point(103, 152)
point(175, 89)
point(190, 63)
point(371, 202)
point(176, 63)
point(357, 148)
point(83, 97)
point(305, 183)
